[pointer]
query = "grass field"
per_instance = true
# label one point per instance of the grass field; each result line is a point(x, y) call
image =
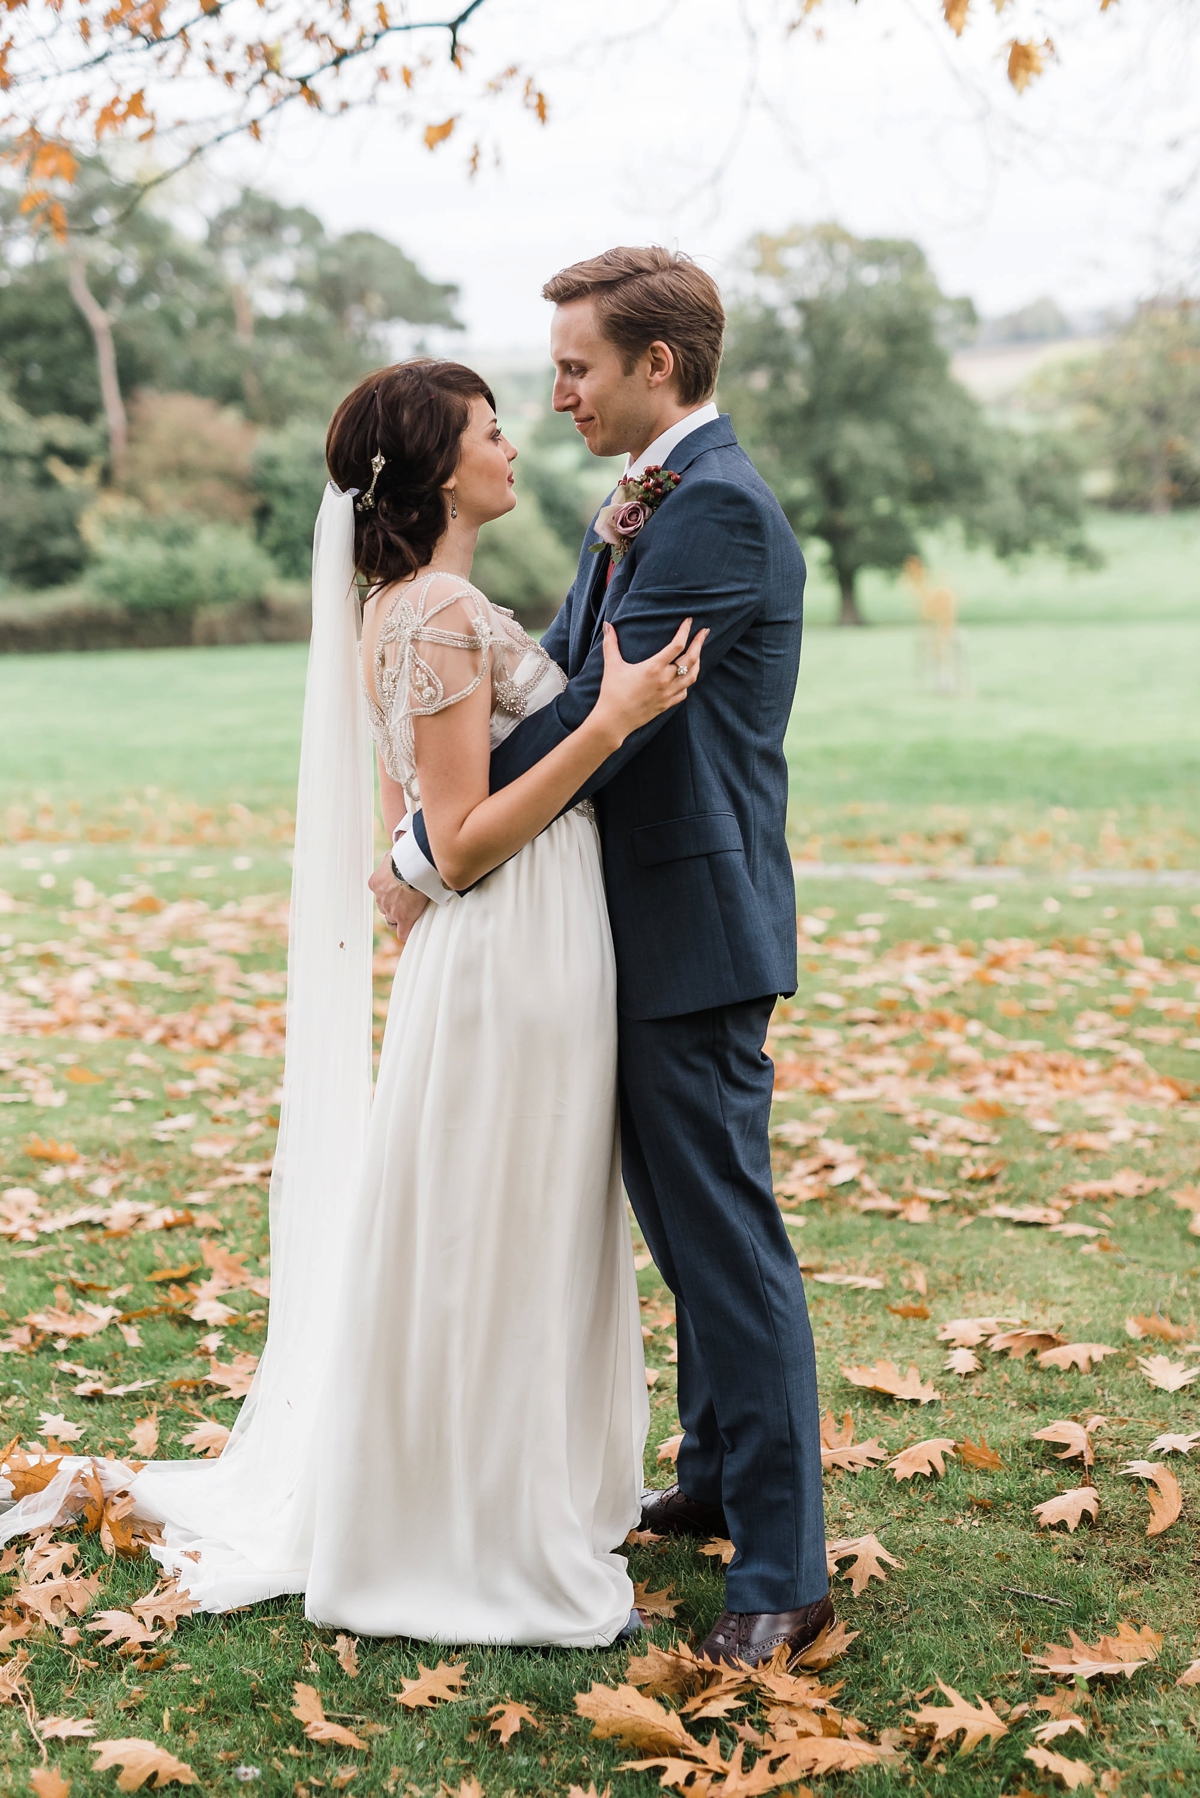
point(958, 1052)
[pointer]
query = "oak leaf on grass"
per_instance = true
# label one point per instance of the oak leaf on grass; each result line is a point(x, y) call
point(978, 1454)
point(1174, 1444)
point(1166, 1498)
point(123, 1627)
point(1048, 1732)
point(669, 1450)
point(927, 1458)
point(309, 1710)
point(1083, 1355)
point(885, 1376)
point(438, 1685)
point(1019, 1343)
point(672, 1672)
point(962, 1361)
point(1123, 1654)
point(829, 1647)
point(508, 1718)
point(630, 1716)
point(866, 1555)
point(1073, 1774)
point(720, 1548)
point(654, 1604)
point(839, 1449)
point(48, 1782)
point(346, 1650)
point(1167, 1375)
point(207, 1439)
point(976, 1721)
point(1076, 1440)
point(1190, 1675)
point(140, 1761)
point(166, 1603)
point(62, 1729)
point(1068, 1508)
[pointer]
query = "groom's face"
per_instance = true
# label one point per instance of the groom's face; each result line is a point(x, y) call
point(614, 408)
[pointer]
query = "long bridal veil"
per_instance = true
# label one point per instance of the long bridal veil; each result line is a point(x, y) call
point(239, 1528)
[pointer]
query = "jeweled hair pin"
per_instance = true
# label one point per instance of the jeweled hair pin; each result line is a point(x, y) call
point(367, 502)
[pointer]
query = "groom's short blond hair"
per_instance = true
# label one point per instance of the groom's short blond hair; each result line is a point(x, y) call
point(651, 295)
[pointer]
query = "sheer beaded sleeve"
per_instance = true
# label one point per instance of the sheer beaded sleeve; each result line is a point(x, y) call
point(433, 650)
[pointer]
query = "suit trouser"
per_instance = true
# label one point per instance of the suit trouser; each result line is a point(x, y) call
point(695, 1110)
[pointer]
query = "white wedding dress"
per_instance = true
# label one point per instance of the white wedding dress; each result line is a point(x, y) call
point(444, 1439)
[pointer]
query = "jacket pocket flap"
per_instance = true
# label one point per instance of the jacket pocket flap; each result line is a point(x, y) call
point(704, 833)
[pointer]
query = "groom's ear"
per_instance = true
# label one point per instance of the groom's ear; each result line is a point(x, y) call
point(660, 358)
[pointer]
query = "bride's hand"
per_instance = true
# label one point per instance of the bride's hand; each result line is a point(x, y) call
point(633, 693)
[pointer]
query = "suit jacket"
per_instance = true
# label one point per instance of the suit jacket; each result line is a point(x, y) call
point(692, 807)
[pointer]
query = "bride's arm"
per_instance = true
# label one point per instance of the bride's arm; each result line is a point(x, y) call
point(471, 831)
point(392, 800)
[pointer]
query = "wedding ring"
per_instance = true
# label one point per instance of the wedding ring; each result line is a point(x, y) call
point(681, 666)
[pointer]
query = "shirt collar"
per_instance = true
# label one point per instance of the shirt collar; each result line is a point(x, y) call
point(656, 455)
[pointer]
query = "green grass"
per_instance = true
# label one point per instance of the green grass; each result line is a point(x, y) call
point(174, 771)
point(1150, 573)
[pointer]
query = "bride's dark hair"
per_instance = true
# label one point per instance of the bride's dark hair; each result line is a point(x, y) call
point(414, 415)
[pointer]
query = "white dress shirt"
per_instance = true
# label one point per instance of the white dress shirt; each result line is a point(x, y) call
point(407, 856)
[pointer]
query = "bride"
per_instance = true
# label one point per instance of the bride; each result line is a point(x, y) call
point(444, 1437)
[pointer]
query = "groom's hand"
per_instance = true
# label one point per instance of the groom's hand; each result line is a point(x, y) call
point(400, 905)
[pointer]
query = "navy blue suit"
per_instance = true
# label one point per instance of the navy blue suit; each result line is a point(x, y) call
point(691, 812)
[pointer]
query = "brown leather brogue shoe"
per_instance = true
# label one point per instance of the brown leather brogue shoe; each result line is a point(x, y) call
point(672, 1513)
point(753, 1636)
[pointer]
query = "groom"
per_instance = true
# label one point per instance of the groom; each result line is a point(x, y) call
point(691, 814)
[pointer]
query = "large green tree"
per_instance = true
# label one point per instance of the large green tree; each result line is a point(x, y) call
point(837, 373)
point(1140, 401)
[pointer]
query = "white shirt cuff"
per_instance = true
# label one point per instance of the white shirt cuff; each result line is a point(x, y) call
point(411, 864)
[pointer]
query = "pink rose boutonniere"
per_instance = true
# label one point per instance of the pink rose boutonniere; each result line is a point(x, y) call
point(617, 525)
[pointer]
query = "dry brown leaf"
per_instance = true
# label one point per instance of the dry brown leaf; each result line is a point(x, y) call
point(1019, 1343)
point(48, 1782)
point(1075, 1438)
point(1174, 1444)
point(167, 1604)
point(669, 1450)
point(1167, 1375)
point(1068, 1508)
point(140, 1761)
point(826, 1754)
point(309, 1710)
point(1190, 1675)
point(962, 1361)
point(926, 1458)
point(438, 1685)
point(122, 1626)
point(969, 1332)
point(346, 1650)
point(1166, 1498)
point(654, 1604)
point(1155, 1325)
point(866, 1555)
point(720, 1548)
point(976, 1721)
point(208, 1438)
point(62, 1729)
point(1045, 1733)
point(630, 1716)
point(1127, 1184)
point(1083, 1355)
point(918, 1311)
point(1123, 1653)
point(978, 1454)
point(508, 1719)
point(144, 1436)
point(672, 1672)
point(829, 1647)
point(1072, 1773)
point(885, 1376)
point(235, 1378)
point(27, 1473)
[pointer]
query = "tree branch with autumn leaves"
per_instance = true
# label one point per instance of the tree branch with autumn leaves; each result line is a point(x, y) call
point(74, 73)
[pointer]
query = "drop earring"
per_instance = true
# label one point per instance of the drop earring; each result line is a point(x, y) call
point(453, 507)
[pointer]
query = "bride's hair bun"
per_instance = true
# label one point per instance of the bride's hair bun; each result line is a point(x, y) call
point(414, 415)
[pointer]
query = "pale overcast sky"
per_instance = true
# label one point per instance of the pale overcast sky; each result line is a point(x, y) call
point(698, 133)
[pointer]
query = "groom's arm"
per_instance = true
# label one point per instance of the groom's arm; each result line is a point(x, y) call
point(708, 565)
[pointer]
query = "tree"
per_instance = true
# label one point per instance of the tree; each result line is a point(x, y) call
point(837, 373)
point(270, 312)
point(1140, 401)
point(76, 76)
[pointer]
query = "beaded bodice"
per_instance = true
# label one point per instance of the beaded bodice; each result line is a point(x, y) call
point(439, 640)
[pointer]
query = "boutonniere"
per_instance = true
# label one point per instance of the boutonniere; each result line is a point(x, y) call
point(617, 525)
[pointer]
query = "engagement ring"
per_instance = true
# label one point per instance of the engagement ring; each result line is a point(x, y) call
point(681, 667)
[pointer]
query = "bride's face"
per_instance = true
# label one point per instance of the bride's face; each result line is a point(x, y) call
point(483, 480)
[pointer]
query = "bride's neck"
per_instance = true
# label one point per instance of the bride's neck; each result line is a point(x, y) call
point(455, 551)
